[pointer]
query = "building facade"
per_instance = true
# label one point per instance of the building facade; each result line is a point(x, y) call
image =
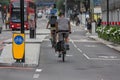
point(113, 12)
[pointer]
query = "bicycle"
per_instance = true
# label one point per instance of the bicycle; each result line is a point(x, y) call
point(53, 38)
point(62, 48)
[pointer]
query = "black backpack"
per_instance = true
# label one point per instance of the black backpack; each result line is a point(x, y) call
point(53, 19)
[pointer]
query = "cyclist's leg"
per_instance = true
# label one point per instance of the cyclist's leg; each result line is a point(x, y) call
point(52, 31)
point(60, 38)
point(66, 36)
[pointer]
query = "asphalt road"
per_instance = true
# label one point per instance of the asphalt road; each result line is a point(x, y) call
point(87, 59)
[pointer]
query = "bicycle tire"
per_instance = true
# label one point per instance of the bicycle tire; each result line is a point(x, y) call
point(53, 42)
point(63, 56)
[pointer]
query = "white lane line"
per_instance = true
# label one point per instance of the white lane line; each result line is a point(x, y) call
point(86, 56)
point(108, 57)
point(76, 46)
point(100, 58)
point(38, 70)
point(73, 43)
point(104, 59)
point(69, 55)
point(79, 50)
point(36, 76)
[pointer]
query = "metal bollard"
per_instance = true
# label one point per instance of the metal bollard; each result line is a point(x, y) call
point(0, 30)
point(32, 33)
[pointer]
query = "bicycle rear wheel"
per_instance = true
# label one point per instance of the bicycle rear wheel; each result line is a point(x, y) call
point(63, 56)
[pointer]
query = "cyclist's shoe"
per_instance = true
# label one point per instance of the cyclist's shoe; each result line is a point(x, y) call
point(59, 55)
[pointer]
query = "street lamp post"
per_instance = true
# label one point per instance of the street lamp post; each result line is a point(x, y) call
point(22, 15)
point(65, 8)
point(22, 21)
point(118, 14)
point(107, 12)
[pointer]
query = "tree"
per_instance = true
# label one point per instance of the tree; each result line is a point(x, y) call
point(4, 2)
point(60, 4)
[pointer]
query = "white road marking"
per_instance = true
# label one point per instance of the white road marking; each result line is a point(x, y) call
point(110, 57)
point(38, 70)
point(100, 58)
point(83, 40)
point(86, 56)
point(104, 59)
point(90, 46)
point(69, 55)
point(36, 76)
point(73, 43)
point(79, 50)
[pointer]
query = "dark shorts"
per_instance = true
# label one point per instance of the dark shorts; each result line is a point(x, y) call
point(63, 34)
point(52, 25)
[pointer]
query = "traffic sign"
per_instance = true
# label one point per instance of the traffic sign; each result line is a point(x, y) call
point(18, 40)
point(18, 45)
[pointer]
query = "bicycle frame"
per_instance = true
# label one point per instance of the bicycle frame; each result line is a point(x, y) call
point(62, 45)
point(53, 40)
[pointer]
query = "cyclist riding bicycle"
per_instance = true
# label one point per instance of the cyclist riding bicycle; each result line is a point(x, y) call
point(52, 22)
point(63, 27)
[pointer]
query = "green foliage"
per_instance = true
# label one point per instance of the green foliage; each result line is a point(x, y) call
point(111, 33)
point(60, 4)
point(4, 2)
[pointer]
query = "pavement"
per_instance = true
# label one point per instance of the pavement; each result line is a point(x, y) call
point(95, 37)
point(32, 50)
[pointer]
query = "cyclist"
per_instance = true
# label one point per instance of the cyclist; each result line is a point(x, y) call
point(63, 26)
point(52, 22)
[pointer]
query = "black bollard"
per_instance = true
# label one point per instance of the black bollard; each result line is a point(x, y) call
point(0, 30)
point(32, 33)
